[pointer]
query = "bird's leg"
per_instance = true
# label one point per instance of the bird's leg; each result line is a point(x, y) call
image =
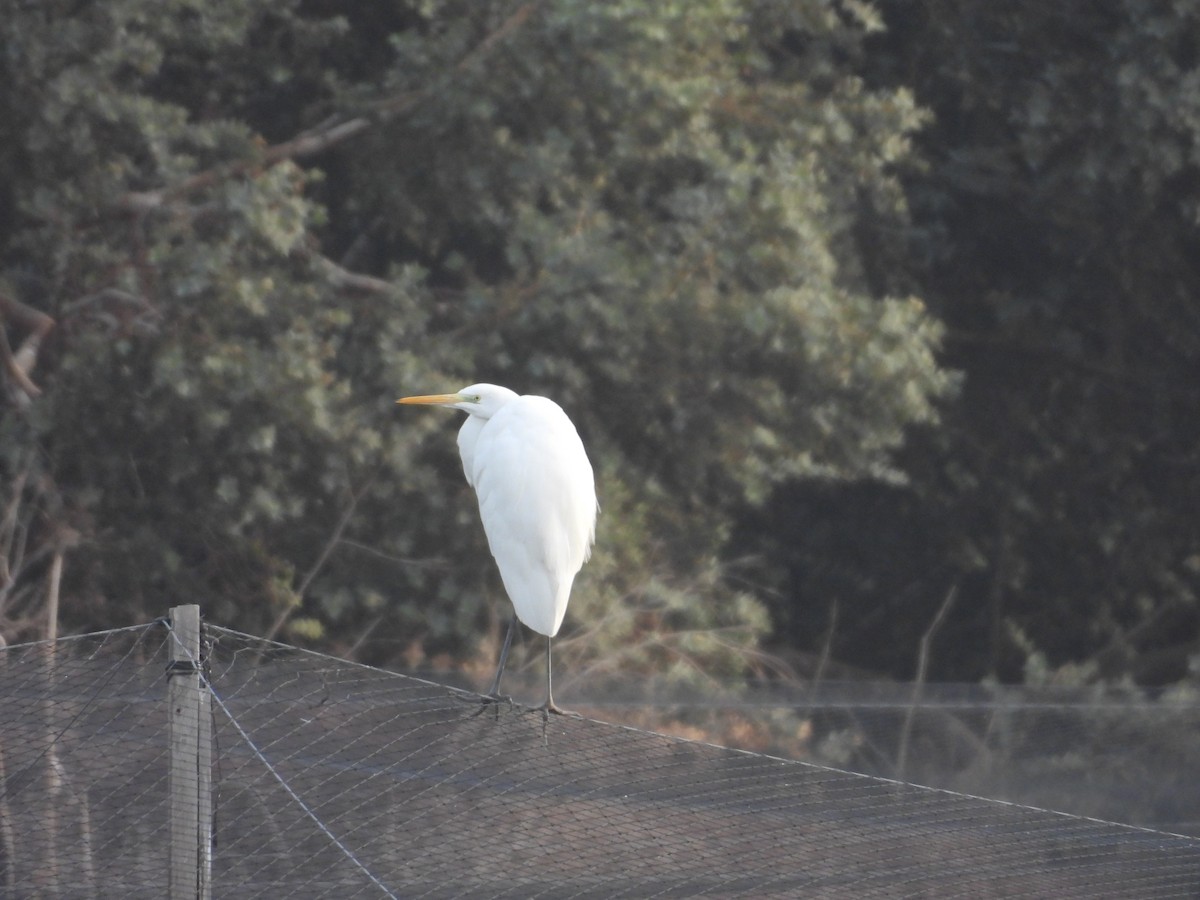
point(550, 706)
point(494, 692)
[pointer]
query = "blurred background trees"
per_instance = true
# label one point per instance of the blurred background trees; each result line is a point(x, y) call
point(1054, 232)
point(851, 303)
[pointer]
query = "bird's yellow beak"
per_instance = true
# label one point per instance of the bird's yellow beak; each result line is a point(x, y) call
point(432, 399)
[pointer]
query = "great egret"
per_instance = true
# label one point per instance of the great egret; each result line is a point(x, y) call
point(537, 499)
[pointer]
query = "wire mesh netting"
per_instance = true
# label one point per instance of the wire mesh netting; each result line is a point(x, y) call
point(334, 779)
point(1116, 752)
point(83, 765)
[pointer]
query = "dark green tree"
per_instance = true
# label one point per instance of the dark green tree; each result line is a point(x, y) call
point(1055, 233)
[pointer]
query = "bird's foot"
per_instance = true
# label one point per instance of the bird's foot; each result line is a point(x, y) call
point(551, 707)
point(493, 702)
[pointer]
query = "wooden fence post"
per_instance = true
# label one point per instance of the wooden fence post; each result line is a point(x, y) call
point(189, 784)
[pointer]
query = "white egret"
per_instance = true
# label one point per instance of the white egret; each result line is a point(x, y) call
point(537, 499)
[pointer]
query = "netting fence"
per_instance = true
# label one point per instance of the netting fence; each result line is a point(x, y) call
point(300, 775)
point(1115, 752)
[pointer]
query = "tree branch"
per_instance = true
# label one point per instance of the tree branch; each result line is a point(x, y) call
point(919, 684)
point(52, 591)
point(344, 278)
point(19, 364)
point(318, 140)
point(334, 539)
point(8, 532)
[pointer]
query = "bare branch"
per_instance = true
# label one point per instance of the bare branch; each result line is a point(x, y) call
point(20, 364)
point(8, 531)
point(331, 134)
point(344, 278)
point(108, 295)
point(826, 650)
point(362, 638)
point(52, 591)
point(334, 539)
point(919, 684)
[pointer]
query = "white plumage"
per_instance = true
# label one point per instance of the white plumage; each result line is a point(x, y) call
point(537, 499)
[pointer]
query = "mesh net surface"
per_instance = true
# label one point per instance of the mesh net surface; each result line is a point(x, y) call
point(1115, 752)
point(83, 766)
point(333, 779)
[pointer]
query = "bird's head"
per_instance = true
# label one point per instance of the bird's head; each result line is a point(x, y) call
point(482, 400)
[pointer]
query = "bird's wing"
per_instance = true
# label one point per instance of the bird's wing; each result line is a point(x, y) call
point(537, 500)
point(468, 440)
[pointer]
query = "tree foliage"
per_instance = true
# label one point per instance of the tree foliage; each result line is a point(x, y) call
point(666, 216)
point(1055, 233)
